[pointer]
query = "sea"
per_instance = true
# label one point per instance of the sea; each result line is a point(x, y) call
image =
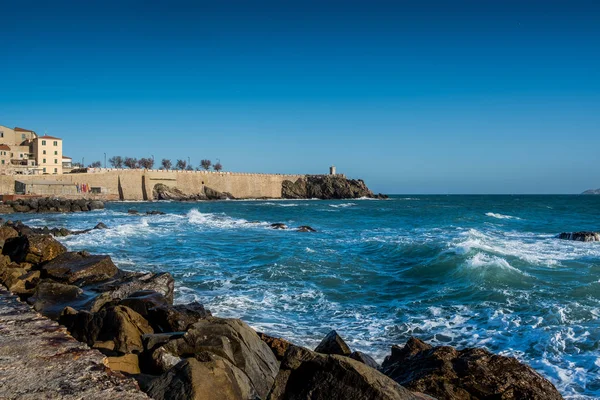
point(465, 271)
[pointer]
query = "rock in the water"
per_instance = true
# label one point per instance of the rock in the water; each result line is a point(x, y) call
point(326, 187)
point(124, 284)
point(133, 212)
point(333, 344)
point(144, 300)
point(279, 225)
point(364, 358)
point(212, 194)
point(164, 192)
point(72, 267)
point(205, 379)
point(308, 375)
point(447, 373)
point(33, 249)
point(155, 212)
point(305, 228)
point(581, 236)
point(230, 339)
point(101, 225)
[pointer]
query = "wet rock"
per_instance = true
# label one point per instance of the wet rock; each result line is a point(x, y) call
point(126, 283)
point(133, 212)
point(7, 232)
point(74, 267)
point(279, 225)
point(33, 249)
point(580, 236)
point(168, 318)
point(305, 228)
point(155, 212)
point(212, 194)
point(277, 345)
point(308, 375)
point(216, 378)
point(364, 358)
point(164, 192)
point(143, 300)
point(230, 339)
point(95, 205)
point(50, 298)
point(25, 283)
point(333, 344)
point(101, 225)
point(447, 373)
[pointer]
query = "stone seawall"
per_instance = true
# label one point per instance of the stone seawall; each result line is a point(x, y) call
point(138, 184)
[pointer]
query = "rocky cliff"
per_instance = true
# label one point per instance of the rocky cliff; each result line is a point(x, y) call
point(326, 187)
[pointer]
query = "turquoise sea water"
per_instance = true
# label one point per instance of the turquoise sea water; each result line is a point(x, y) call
point(458, 270)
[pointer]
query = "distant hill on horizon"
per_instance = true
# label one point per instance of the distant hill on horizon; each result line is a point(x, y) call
point(592, 191)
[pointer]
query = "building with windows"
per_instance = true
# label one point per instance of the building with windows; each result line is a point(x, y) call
point(23, 152)
point(48, 154)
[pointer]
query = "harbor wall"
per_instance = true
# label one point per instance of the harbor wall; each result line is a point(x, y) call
point(125, 184)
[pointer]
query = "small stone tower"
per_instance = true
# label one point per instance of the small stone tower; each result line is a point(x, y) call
point(332, 170)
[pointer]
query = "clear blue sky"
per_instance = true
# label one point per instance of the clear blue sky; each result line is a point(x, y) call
point(412, 96)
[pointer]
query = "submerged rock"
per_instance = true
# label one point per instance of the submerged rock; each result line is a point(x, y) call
point(308, 375)
point(279, 225)
point(305, 228)
point(447, 373)
point(333, 344)
point(580, 236)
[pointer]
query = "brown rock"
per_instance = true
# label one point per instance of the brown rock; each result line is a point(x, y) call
point(128, 363)
point(473, 374)
point(216, 379)
point(277, 345)
point(33, 249)
point(71, 267)
point(333, 344)
point(308, 375)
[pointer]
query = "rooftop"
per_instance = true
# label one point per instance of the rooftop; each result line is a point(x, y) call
point(17, 129)
point(4, 147)
point(48, 137)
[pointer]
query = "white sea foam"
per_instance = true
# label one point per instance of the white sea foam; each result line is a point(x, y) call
point(483, 261)
point(501, 216)
point(221, 221)
point(343, 205)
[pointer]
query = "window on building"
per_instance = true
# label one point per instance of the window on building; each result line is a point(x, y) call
point(44, 161)
point(55, 161)
point(44, 152)
point(55, 143)
point(43, 142)
point(23, 136)
point(55, 170)
point(55, 152)
point(21, 155)
point(2, 162)
point(44, 170)
point(1, 134)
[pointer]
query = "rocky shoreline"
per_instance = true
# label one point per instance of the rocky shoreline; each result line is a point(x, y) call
point(183, 352)
point(49, 205)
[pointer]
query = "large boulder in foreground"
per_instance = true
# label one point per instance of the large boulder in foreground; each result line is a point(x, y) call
point(447, 373)
point(72, 267)
point(580, 236)
point(207, 378)
point(230, 339)
point(305, 374)
point(126, 283)
point(33, 249)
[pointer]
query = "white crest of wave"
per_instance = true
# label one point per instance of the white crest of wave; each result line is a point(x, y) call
point(500, 216)
point(484, 261)
point(221, 221)
point(343, 205)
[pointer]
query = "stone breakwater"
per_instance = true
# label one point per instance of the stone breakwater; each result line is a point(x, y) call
point(183, 352)
point(48, 205)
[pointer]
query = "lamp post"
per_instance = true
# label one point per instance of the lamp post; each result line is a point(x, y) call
point(104, 160)
point(152, 160)
point(82, 162)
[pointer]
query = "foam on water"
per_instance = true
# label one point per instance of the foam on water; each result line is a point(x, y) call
point(500, 216)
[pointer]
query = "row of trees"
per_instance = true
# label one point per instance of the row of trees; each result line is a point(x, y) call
point(148, 163)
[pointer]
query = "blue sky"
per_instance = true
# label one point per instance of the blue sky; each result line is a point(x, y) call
point(413, 97)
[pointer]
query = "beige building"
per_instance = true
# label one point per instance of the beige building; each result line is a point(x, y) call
point(47, 151)
point(23, 152)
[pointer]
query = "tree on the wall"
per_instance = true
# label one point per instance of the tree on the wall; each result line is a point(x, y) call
point(130, 162)
point(205, 164)
point(116, 161)
point(146, 163)
point(181, 164)
point(217, 167)
point(95, 164)
point(166, 163)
